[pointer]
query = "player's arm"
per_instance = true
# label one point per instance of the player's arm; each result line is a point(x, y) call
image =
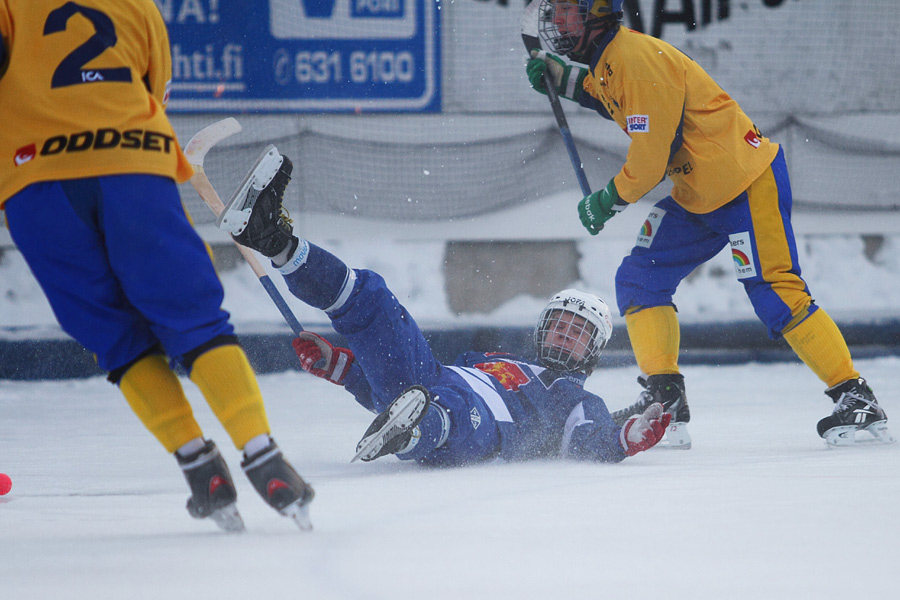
point(588, 101)
point(568, 79)
point(591, 433)
point(356, 383)
point(158, 77)
point(3, 55)
point(4, 38)
point(654, 112)
point(338, 365)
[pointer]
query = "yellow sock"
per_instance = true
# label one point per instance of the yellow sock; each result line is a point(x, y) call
point(156, 397)
point(229, 385)
point(819, 343)
point(655, 337)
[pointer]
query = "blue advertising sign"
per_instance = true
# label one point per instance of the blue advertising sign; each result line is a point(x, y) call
point(304, 55)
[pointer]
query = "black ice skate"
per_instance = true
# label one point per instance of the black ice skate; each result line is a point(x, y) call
point(668, 390)
point(255, 215)
point(212, 489)
point(855, 410)
point(393, 429)
point(279, 484)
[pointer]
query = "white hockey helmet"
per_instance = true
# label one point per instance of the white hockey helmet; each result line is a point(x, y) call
point(572, 330)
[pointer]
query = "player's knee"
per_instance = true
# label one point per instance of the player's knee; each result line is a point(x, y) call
point(782, 307)
point(115, 375)
point(188, 358)
point(635, 290)
point(798, 317)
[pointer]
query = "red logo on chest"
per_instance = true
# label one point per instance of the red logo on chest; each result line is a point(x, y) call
point(510, 375)
point(25, 154)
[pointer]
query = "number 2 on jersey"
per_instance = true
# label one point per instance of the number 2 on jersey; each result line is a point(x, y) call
point(70, 71)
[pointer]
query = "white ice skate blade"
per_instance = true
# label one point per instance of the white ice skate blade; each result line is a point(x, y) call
point(407, 407)
point(848, 435)
point(300, 514)
point(228, 518)
point(236, 215)
point(677, 437)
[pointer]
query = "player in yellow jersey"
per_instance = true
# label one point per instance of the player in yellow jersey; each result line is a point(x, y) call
point(88, 184)
point(730, 186)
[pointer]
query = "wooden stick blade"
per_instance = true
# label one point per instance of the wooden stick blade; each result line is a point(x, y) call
point(529, 25)
point(209, 136)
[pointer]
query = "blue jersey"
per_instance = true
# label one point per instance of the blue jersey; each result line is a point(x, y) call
point(506, 407)
point(501, 405)
point(547, 413)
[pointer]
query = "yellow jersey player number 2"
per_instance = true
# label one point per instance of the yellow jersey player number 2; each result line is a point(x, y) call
point(88, 185)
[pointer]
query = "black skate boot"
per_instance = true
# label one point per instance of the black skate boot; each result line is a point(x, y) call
point(855, 409)
point(393, 430)
point(668, 390)
point(279, 484)
point(212, 489)
point(255, 215)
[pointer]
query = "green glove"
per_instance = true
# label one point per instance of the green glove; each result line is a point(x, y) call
point(567, 78)
point(600, 207)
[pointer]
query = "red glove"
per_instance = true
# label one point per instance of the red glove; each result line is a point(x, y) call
point(642, 432)
point(319, 357)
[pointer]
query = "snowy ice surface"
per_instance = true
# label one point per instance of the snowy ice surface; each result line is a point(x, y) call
point(759, 509)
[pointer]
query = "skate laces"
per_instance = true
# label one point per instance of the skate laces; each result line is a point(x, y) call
point(850, 397)
point(284, 217)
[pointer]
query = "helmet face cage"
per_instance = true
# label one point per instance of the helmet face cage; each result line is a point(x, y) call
point(563, 24)
point(572, 330)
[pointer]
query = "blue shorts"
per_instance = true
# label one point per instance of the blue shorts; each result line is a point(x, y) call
point(756, 225)
point(121, 265)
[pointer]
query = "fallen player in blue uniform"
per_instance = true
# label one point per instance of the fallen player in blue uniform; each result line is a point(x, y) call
point(484, 405)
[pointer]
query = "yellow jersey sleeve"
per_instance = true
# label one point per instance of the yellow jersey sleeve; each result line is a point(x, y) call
point(86, 86)
point(159, 72)
point(681, 123)
point(4, 28)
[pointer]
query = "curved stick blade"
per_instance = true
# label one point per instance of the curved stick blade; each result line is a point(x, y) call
point(209, 136)
point(529, 25)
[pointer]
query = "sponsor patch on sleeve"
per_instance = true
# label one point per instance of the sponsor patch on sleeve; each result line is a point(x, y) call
point(752, 139)
point(638, 123)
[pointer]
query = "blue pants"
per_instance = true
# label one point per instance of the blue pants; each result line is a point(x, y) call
point(120, 264)
point(393, 354)
point(756, 224)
